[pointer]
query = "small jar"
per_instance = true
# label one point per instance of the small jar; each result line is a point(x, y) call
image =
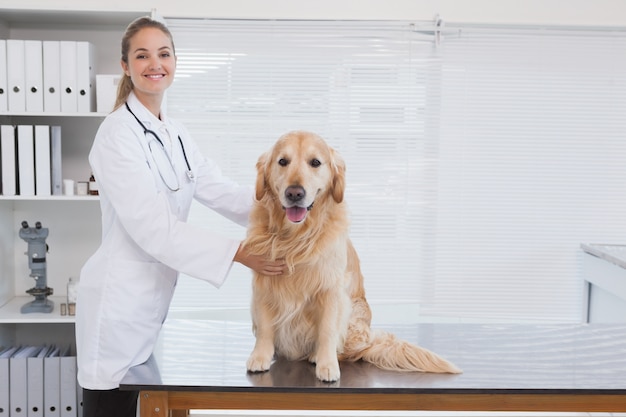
point(72, 294)
point(82, 188)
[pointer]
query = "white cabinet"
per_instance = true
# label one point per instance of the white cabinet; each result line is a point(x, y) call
point(604, 271)
point(73, 222)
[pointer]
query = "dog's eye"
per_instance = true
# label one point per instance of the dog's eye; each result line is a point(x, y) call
point(283, 162)
point(315, 162)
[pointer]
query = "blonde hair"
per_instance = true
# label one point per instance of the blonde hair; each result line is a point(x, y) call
point(125, 85)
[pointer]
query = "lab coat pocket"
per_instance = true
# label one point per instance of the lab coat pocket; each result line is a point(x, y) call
point(139, 290)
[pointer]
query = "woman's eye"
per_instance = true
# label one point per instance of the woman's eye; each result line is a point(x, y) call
point(283, 162)
point(315, 163)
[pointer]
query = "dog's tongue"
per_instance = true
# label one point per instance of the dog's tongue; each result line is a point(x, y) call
point(296, 214)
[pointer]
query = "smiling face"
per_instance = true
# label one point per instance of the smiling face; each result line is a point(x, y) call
point(151, 64)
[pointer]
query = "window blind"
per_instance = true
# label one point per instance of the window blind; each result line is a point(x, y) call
point(476, 164)
point(363, 86)
point(530, 164)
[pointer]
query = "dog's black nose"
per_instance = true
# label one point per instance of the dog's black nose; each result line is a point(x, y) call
point(295, 193)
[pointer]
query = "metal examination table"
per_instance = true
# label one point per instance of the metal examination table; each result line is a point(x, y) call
point(507, 367)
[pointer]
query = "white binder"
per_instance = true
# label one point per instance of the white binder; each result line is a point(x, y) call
point(51, 381)
point(25, 160)
point(9, 164)
point(56, 160)
point(68, 385)
point(4, 90)
point(52, 76)
point(43, 172)
point(16, 75)
point(34, 371)
point(69, 103)
point(18, 376)
point(33, 68)
point(85, 77)
point(5, 381)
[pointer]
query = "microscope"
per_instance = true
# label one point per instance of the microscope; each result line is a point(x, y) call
point(37, 249)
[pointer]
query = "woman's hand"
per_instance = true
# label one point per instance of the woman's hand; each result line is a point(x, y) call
point(260, 264)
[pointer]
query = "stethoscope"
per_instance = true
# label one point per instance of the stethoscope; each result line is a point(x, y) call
point(166, 178)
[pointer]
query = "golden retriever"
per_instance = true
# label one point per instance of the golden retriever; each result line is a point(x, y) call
point(319, 311)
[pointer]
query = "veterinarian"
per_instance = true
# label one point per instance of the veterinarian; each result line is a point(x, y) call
point(149, 170)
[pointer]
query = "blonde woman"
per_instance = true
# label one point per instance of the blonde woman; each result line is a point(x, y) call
point(149, 170)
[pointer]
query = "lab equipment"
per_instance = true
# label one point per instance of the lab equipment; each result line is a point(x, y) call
point(37, 249)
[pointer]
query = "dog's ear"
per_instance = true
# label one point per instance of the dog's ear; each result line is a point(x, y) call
point(339, 176)
point(261, 181)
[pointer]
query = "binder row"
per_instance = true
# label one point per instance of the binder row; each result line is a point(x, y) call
point(30, 160)
point(47, 76)
point(39, 381)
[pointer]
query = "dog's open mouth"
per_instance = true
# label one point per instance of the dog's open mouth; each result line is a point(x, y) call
point(297, 214)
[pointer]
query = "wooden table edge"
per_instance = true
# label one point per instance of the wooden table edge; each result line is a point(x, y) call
point(159, 403)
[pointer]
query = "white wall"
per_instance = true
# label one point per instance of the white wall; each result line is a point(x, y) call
point(535, 12)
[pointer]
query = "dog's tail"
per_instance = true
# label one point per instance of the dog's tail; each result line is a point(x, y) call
point(386, 351)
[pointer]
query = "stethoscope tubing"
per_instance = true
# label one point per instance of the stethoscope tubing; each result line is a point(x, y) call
point(153, 133)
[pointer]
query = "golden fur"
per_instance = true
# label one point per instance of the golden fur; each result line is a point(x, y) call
point(319, 311)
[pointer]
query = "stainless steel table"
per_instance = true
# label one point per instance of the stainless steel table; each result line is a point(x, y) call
point(569, 367)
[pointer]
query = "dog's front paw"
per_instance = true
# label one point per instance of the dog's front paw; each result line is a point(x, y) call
point(328, 372)
point(258, 363)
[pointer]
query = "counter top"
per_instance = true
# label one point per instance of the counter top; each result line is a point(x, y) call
point(615, 254)
point(195, 355)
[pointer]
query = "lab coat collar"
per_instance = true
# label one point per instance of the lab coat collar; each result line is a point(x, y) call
point(146, 117)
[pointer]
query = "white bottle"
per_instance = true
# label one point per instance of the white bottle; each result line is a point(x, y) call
point(72, 294)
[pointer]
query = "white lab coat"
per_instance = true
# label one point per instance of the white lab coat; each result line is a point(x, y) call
point(127, 285)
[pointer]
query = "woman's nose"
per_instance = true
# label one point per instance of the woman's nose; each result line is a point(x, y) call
point(155, 63)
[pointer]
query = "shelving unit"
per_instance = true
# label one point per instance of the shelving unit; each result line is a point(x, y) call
point(73, 221)
point(51, 198)
point(10, 312)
